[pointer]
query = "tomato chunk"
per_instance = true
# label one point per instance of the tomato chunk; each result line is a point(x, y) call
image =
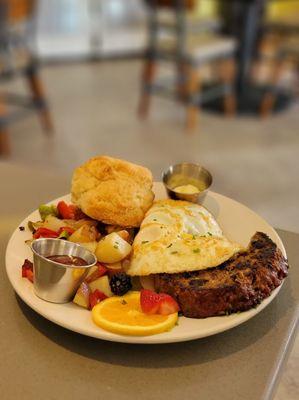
point(30, 275)
point(27, 270)
point(45, 233)
point(66, 211)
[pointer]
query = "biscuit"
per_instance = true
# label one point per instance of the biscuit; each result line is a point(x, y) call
point(113, 191)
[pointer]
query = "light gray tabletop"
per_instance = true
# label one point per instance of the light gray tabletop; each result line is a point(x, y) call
point(40, 360)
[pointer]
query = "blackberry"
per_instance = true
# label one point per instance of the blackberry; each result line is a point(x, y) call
point(120, 284)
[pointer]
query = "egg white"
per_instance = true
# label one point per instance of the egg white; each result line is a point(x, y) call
point(178, 236)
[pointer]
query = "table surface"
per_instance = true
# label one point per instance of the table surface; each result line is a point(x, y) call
point(42, 360)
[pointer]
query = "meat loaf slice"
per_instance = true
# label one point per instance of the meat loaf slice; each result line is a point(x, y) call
point(238, 284)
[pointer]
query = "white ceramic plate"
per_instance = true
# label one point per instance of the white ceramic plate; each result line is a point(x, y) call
point(238, 223)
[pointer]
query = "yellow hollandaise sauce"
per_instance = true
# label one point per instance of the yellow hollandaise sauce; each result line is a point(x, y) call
point(187, 189)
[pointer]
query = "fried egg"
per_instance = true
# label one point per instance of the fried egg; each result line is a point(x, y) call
point(178, 236)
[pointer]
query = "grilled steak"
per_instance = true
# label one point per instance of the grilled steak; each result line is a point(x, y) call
point(238, 284)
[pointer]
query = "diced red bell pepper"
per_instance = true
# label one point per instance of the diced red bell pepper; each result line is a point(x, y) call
point(95, 297)
point(27, 270)
point(67, 229)
point(66, 211)
point(100, 271)
point(45, 233)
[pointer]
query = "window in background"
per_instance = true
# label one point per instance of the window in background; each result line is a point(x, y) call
point(119, 26)
point(63, 28)
point(82, 28)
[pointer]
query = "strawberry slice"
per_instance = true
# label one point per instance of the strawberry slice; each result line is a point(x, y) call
point(149, 301)
point(157, 303)
point(167, 305)
point(95, 297)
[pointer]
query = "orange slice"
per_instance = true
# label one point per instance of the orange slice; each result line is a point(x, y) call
point(123, 315)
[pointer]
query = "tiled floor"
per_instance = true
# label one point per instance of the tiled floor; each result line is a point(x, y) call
point(253, 161)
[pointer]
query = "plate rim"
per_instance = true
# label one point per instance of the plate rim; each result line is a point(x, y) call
point(28, 296)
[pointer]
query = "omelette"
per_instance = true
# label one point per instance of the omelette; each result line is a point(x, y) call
point(178, 236)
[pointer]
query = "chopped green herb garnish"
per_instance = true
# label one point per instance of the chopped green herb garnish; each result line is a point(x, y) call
point(174, 252)
point(193, 237)
point(169, 245)
point(115, 246)
point(196, 250)
point(144, 241)
point(154, 219)
point(124, 302)
point(209, 233)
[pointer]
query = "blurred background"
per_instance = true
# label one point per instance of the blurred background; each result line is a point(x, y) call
point(158, 82)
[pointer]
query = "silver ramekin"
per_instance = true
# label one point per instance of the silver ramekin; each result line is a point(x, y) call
point(184, 174)
point(53, 281)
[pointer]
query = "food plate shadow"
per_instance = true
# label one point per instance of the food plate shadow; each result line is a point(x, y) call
point(173, 355)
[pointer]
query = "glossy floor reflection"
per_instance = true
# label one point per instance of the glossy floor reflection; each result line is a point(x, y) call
point(94, 109)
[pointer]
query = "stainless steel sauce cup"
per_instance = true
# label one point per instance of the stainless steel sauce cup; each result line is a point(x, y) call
point(53, 281)
point(187, 174)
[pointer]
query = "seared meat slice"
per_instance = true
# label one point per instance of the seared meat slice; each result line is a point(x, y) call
point(238, 284)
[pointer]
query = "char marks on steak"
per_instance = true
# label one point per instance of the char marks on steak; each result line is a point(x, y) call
point(238, 284)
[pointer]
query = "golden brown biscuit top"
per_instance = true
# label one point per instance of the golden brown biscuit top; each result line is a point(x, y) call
point(106, 168)
point(113, 191)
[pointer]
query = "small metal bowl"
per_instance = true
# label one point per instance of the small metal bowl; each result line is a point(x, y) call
point(53, 281)
point(187, 174)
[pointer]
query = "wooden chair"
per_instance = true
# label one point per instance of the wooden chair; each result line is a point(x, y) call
point(189, 53)
point(16, 58)
point(284, 32)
